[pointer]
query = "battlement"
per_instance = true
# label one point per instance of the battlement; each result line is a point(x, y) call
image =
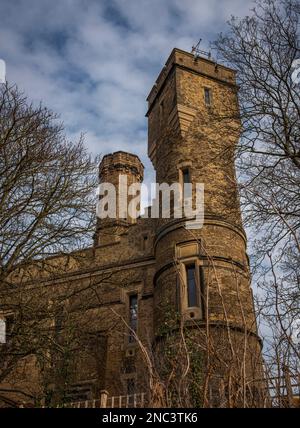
point(195, 64)
point(121, 162)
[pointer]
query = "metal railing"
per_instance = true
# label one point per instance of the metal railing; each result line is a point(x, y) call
point(285, 390)
point(120, 401)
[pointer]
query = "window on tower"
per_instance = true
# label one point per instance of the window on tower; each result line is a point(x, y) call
point(130, 391)
point(208, 96)
point(186, 176)
point(162, 110)
point(133, 312)
point(192, 292)
point(130, 386)
point(7, 328)
point(145, 242)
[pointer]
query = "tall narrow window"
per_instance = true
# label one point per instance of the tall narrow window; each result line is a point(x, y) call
point(207, 96)
point(191, 286)
point(185, 179)
point(186, 176)
point(144, 242)
point(202, 290)
point(10, 324)
point(130, 386)
point(133, 309)
point(58, 321)
point(161, 111)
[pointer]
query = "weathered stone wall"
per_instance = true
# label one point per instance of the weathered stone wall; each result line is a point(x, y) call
point(202, 138)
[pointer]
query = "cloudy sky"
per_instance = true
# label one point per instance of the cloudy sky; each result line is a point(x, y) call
point(95, 61)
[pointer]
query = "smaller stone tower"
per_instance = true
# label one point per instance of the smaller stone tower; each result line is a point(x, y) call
point(111, 168)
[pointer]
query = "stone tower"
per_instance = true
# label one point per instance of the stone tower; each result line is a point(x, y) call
point(112, 167)
point(203, 275)
point(184, 294)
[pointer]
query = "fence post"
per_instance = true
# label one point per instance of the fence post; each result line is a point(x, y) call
point(103, 398)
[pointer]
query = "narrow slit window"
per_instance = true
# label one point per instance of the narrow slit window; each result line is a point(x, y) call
point(162, 110)
point(133, 309)
point(130, 386)
point(202, 290)
point(186, 176)
point(191, 286)
point(9, 326)
point(144, 242)
point(185, 180)
point(207, 96)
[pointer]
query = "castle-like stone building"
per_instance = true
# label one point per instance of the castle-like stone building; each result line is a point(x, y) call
point(156, 299)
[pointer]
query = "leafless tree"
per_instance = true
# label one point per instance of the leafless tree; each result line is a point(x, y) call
point(47, 184)
point(47, 205)
point(264, 49)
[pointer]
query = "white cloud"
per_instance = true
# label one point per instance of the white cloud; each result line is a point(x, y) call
point(94, 62)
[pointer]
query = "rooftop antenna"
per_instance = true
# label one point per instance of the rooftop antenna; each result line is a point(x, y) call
point(197, 52)
point(216, 59)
